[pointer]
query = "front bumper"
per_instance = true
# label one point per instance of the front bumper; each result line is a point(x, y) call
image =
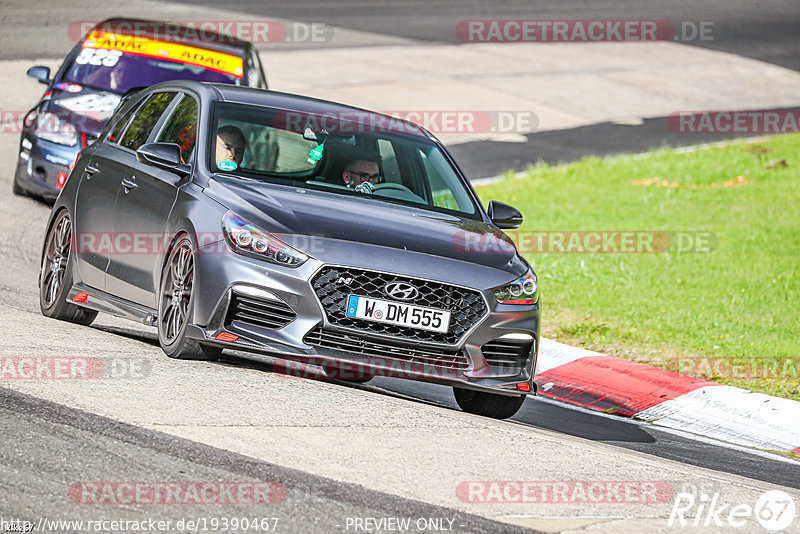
point(43, 167)
point(276, 311)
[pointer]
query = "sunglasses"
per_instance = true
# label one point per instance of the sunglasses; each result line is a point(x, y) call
point(374, 178)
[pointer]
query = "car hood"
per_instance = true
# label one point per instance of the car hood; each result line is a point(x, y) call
point(87, 109)
point(292, 211)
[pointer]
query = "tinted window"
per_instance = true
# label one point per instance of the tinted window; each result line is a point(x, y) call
point(312, 151)
point(145, 120)
point(181, 128)
point(443, 182)
point(119, 121)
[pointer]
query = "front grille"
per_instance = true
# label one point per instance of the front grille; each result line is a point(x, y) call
point(499, 353)
point(333, 284)
point(259, 312)
point(356, 344)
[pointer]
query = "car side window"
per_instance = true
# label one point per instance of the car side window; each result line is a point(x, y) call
point(120, 121)
point(443, 196)
point(145, 120)
point(181, 128)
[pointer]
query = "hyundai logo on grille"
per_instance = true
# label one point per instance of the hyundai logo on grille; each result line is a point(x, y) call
point(400, 291)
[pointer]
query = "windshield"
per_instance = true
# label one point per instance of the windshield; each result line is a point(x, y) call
point(337, 154)
point(118, 62)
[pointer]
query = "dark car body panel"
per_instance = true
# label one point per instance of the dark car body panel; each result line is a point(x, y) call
point(297, 211)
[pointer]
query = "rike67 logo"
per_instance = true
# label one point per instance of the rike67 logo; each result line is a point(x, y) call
point(774, 510)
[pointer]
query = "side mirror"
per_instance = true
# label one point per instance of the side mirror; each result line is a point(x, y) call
point(40, 73)
point(503, 215)
point(166, 156)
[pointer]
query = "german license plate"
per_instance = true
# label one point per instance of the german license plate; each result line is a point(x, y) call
point(385, 311)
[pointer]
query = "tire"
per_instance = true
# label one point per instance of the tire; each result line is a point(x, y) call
point(55, 277)
point(175, 299)
point(487, 404)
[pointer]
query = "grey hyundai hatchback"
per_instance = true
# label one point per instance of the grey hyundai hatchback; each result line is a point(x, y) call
point(272, 223)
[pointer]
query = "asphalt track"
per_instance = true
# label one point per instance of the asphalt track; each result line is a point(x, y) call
point(45, 443)
point(54, 434)
point(764, 30)
point(542, 413)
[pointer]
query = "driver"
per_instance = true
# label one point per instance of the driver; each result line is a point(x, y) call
point(231, 145)
point(362, 172)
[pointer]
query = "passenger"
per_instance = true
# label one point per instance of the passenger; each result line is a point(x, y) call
point(361, 171)
point(231, 145)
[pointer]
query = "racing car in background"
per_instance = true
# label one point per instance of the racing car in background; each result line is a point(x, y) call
point(116, 57)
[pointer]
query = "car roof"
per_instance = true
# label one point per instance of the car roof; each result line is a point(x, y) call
point(176, 32)
point(314, 106)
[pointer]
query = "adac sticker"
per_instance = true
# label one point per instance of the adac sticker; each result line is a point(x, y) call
point(110, 45)
point(227, 165)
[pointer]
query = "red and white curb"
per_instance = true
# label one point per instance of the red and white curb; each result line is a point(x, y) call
point(665, 398)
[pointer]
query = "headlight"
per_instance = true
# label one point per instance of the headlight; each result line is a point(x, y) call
point(525, 290)
point(51, 127)
point(245, 238)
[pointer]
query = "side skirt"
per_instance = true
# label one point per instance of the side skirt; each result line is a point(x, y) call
point(94, 299)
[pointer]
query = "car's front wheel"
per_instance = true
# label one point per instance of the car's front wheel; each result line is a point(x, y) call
point(176, 294)
point(487, 404)
point(55, 277)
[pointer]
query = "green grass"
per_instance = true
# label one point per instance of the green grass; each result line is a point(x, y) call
point(730, 315)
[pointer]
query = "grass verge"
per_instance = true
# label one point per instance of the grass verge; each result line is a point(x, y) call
point(720, 296)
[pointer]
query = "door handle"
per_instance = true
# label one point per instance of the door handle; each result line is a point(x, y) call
point(129, 184)
point(90, 171)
